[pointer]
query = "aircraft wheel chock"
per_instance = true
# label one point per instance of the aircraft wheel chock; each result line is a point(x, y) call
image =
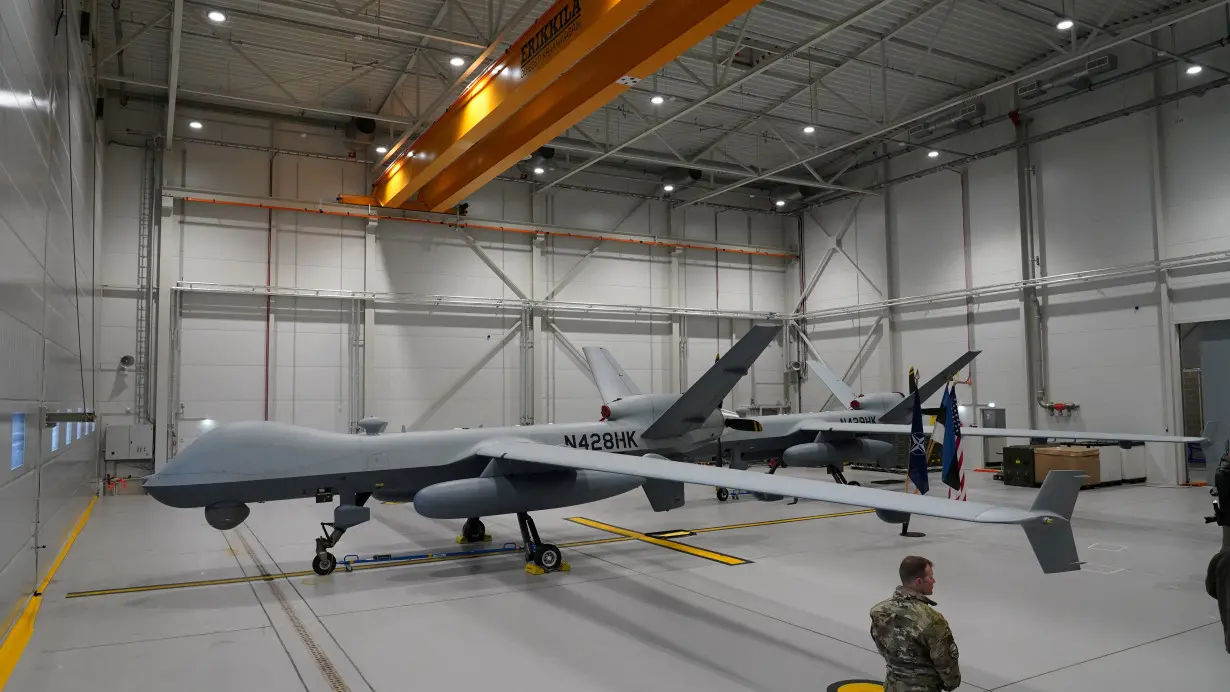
point(324, 563)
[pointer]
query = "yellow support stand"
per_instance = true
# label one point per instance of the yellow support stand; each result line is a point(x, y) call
point(534, 569)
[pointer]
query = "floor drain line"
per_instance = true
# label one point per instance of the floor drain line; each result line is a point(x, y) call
point(336, 683)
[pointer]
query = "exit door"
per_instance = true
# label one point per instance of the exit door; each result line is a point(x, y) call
point(993, 447)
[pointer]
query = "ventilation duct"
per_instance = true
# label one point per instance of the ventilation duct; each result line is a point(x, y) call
point(679, 178)
point(542, 159)
point(1080, 78)
point(361, 130)
point(957, 119)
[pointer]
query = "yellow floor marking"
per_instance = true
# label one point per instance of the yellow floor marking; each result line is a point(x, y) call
point(15, 643)
point(789, 520)
point(673, 545)
point(427, 560)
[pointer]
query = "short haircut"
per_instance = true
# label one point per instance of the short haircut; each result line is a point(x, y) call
point(913, 567)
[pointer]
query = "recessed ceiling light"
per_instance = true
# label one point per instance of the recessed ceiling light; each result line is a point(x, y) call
point(780, 203)
point(382, 150)
point(1065, 24)
point(668, 188)
point(1194, 69)
point(932, 154)
point(657, 100)
point(539, 171)
point(195, 124)
point(216, 16)
point(457, 62)
point(808, 130)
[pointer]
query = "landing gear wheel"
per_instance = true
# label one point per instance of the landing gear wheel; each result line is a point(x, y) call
point(324, 563)
point(548, 557)
point(473, 531)
point(723, 494)
point(852, 483)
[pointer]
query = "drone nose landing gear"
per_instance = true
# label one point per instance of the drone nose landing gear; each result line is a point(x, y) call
point(540, 558)
point(345, 516)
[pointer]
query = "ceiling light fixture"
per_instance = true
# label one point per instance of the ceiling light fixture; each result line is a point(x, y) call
point(382, 150)
point(457, 62)
point(540, 170)
point(780, 202)
point(657, 100)
point(195, 124)
point(216, 16)
point(932, 154)
point(668, 188)
point(1065, 24)
point(1194, 69)
point(808, 130)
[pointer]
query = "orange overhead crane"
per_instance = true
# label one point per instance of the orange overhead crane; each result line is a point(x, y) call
point(578, 56)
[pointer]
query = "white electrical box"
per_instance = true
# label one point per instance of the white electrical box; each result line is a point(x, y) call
point(130, 442)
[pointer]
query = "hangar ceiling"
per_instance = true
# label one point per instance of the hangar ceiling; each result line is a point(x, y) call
point(787, 81)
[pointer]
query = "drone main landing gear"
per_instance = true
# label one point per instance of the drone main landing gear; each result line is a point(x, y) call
point(473, 531)
point(345, 516)
point(540, 557)
point(839, 476)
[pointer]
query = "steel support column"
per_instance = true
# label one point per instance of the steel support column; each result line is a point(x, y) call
point(167, 325)
point(1171, 467)
point(177, 22)
point(537, 381)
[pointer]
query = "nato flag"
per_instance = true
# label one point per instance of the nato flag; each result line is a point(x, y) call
point(918, 455)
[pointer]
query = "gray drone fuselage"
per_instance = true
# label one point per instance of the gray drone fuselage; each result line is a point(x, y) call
point(262, 462)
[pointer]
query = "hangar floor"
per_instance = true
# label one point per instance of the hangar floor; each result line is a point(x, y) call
point(630, 615)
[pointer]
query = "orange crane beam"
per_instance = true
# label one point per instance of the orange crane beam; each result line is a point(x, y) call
point(562, 35)
point(657, 35)
point(575, 59)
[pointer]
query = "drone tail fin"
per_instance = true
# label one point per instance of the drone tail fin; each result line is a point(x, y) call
point(1050, 534)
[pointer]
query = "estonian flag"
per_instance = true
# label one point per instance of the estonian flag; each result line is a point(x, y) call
point(952, 472)
point(918, 454)
point(938, 433)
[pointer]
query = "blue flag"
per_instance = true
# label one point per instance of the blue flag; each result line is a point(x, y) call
point(918, 454)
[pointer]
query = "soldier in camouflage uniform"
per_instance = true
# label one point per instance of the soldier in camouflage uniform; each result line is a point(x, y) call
point(913, 637)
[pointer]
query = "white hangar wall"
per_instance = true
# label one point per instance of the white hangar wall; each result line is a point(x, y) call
point(1151, 185)
point(236, 358)
point(47, 239)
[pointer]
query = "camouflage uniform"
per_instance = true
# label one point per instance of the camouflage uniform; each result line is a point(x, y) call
point(916, 644)
point(1217, 584)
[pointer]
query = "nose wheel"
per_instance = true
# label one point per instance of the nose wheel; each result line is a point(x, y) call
point(324, 563)
point(540, 557)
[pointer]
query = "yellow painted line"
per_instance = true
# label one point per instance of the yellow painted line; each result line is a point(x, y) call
point(19, 636)
point(673, 534)
point(673, 545)
point(789, 520)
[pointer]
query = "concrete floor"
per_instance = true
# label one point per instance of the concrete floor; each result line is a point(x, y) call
point(629, 616)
